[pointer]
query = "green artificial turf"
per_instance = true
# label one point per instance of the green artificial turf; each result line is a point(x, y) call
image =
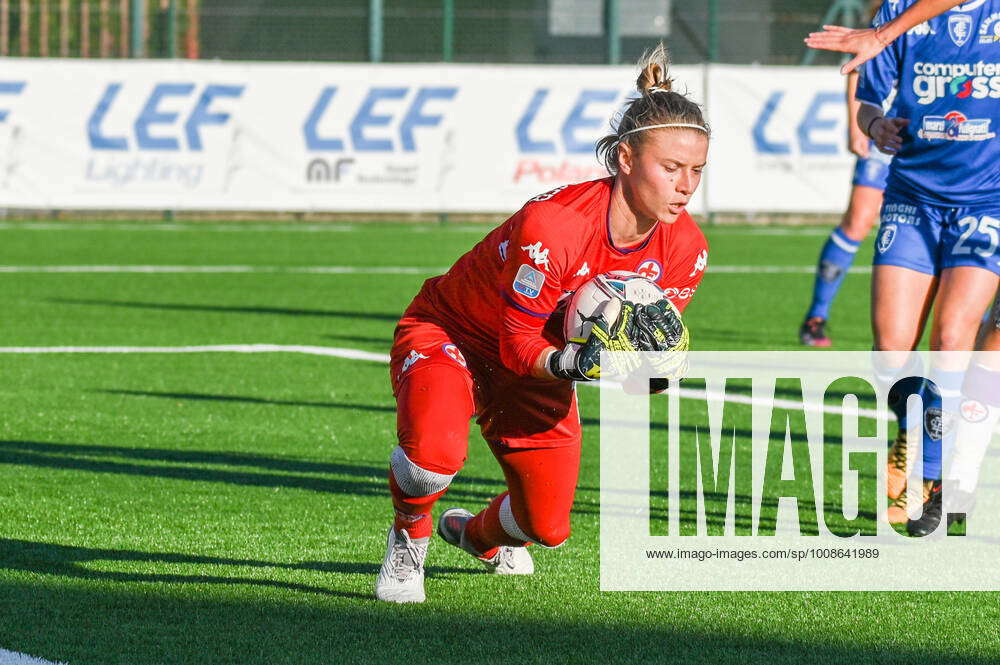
point(232, 508)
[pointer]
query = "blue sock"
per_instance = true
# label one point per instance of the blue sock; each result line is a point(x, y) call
point(899, 393)
point(901, 382)
point(834, 262)
point(941, 394)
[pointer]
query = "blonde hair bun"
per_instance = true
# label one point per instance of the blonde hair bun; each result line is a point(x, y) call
point(654, 66)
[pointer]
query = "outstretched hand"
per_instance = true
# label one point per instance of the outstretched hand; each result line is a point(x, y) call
point(863, 43)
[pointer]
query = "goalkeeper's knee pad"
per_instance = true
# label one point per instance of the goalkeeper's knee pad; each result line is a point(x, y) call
point(545, 530)
point(415, 480)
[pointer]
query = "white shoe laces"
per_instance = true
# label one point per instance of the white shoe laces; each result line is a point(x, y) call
point(505, 557)
point(407, 556)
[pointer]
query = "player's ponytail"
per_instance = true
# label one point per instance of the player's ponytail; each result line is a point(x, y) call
point(657, 105)
point(654, 66)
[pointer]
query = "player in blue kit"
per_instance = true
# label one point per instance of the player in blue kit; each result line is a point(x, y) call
point(838, 252)
point(940, 221)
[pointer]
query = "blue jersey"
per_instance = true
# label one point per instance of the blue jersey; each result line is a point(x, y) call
point(946, 73)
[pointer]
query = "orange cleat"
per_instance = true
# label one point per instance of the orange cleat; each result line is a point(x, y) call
point(898, 468)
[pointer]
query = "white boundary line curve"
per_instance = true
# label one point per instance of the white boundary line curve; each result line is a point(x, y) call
point(15, 658)
point(383, 358)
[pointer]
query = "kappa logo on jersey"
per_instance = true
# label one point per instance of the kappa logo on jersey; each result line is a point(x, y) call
point(537, 254)
point(886, 238)
point(650, 269)
point(700, 263)
point(412, 358)
point(921, 30)
point(502, 248)
point(935, 80)
point(548, 195)
point(960, 28)
point(583, 271)
point(955, 127)
point(973, 411)
point(989, 30)
point(528, 281)
point(452, 352)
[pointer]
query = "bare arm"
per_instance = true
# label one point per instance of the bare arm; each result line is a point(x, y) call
point(540, 370)
point(857, 140)
point(867, 43)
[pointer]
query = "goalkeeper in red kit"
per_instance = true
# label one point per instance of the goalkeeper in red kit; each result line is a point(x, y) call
point(481, 341)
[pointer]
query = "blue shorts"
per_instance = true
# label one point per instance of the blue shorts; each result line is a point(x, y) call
point(929, 238)
point(872, 171)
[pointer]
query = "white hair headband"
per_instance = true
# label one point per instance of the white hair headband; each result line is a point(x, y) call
point(668, 124)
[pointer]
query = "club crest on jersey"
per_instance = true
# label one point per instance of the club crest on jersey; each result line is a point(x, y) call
point(502, 248)
point(973, 411)
point(886, 238)
point(412, 358)
point(452, 352)
point(650, 269)
point(528, 281)
point(960, 28)
point(538, 254)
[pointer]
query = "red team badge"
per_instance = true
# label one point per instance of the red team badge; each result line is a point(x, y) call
point(973, 411)
point(452, 352)
point(650, 269)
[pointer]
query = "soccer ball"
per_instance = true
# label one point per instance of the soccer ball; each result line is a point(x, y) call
point(603, 296)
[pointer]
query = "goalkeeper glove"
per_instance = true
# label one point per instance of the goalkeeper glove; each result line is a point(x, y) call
point(661, 331)
point(582, 361)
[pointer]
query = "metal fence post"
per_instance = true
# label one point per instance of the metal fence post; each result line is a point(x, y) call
point(448, 31)
point(138, 25)
point(613, 29)
point(713, 55)
point(24, 16)
point(172, 29)
point(713, 30)
point(4, 27)
point(375, 30)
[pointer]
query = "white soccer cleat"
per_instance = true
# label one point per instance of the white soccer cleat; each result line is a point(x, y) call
point(508, 560)
point(401, 579)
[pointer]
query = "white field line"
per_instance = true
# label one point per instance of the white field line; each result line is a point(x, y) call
point(355, 354)
point(294, 228)
point(298, 227)
point(350, 354)
point(775, 231)
point(355, 270)
point(14, 658)
point(288, 227)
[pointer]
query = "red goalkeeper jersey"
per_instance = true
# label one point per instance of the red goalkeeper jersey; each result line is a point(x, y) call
point(496, 300)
